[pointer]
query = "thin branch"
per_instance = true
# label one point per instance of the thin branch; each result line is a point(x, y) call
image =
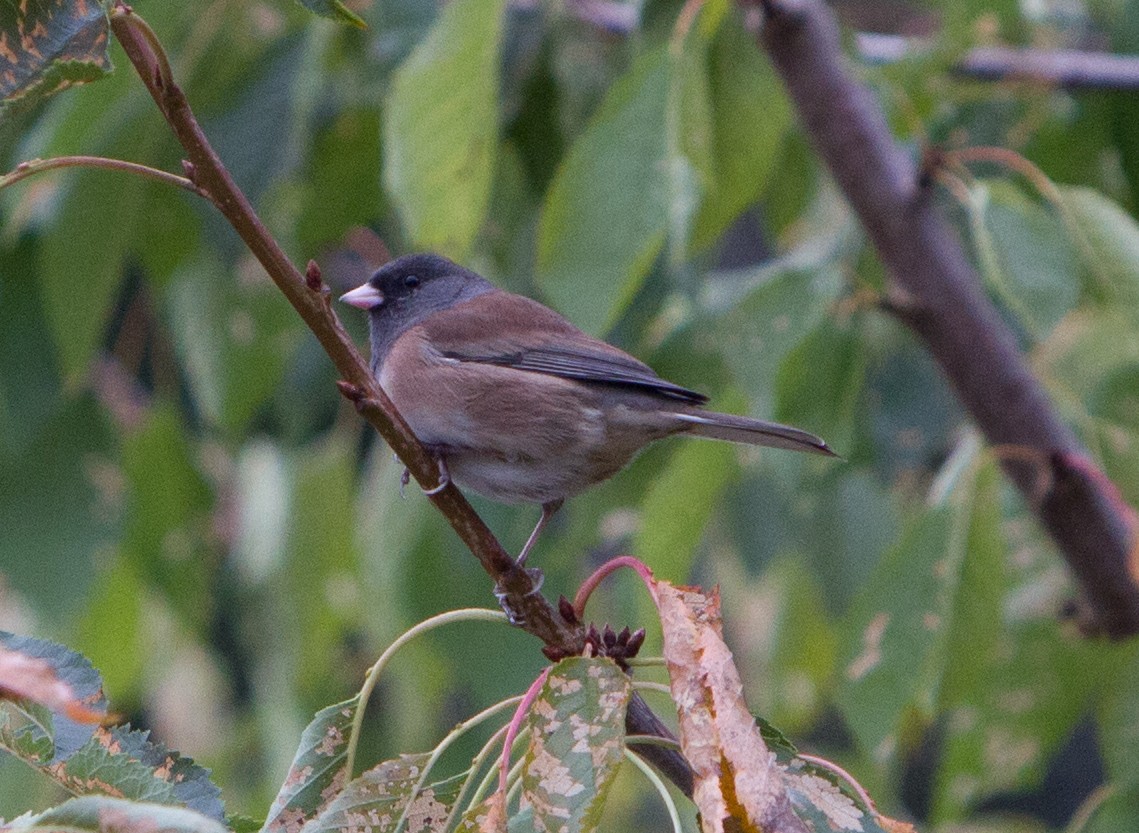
point(38, 166)
point(1068, 68)
point(311, 299)
point(936, 292)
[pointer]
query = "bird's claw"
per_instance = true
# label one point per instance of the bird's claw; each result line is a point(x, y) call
point(444, 479)
point(512, 615)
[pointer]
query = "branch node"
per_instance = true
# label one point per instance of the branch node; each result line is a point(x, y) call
point(932, 162)
point(313, 278)
point(190, 171)
point(352, 392)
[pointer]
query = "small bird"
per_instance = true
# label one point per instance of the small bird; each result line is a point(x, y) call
point(516, 402)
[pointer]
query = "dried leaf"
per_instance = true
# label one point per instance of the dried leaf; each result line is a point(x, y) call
point(738, 784)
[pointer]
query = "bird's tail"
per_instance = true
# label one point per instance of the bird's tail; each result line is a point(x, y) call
point(740, 429)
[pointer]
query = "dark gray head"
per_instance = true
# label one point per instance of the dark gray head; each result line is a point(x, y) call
point(407, 290)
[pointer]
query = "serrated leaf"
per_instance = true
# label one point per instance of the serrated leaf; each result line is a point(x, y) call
point(824, 805)
point(441, 127)
point(103, 814)
point(334, 10)
point(606, 212)
point(749, 116)
point(48, 45)
point(317, 772)
point(43, 734)
point(124, 762)
point(577, 743)
point(380, 797)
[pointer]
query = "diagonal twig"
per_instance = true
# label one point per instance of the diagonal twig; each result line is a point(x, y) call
point(311, 299)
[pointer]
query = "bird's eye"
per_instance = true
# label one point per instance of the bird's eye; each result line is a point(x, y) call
point(411, 281)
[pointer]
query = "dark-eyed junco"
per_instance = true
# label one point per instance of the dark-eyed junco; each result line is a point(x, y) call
point(518, 403)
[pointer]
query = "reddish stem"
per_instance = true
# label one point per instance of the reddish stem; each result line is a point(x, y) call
point(590, 584)
point(516, 724)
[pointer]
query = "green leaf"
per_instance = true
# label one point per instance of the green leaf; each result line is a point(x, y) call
point(335, 10)
point(50, 45)
point(679, 504)
point(1108, 240)
point(792, 664)
point(820, 383)
point(90, 236)
point(86, 759)
point(607, 210)
point(578, 740)
point(1027, 259)
point(1034, 693)
point(59, 508)
point(322, 567)
point(343, 179)
point(758, 332)
point(123, 762)
point(1091, 364)
point(166, 536)
point(111, 632)
point(29, 381)
point(103, 814)
point(317, 772)
point(32, 732)
point(235, 339)
point(890, 637)
point(1118, 718)
point(927, 611)
point(441, 127)
point(380, 797)
point(750, 115)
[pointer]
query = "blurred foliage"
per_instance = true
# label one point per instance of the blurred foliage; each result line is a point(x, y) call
point(185, 499)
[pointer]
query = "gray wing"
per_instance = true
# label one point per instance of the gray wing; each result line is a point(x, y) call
point(605, 368)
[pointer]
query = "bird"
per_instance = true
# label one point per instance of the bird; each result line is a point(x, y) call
point(513, 400)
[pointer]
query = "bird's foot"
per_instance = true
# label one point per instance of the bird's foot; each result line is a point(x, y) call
point(444, 478)
point(514, 616)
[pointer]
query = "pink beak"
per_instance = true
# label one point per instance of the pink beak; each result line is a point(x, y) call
point(364, 297)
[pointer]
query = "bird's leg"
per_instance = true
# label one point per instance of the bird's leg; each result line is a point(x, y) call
point(548, 510)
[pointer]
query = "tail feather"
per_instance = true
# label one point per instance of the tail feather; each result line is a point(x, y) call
point(740, 429)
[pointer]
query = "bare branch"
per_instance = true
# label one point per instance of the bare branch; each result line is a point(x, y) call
point(934, 290)
point(1068, 68)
